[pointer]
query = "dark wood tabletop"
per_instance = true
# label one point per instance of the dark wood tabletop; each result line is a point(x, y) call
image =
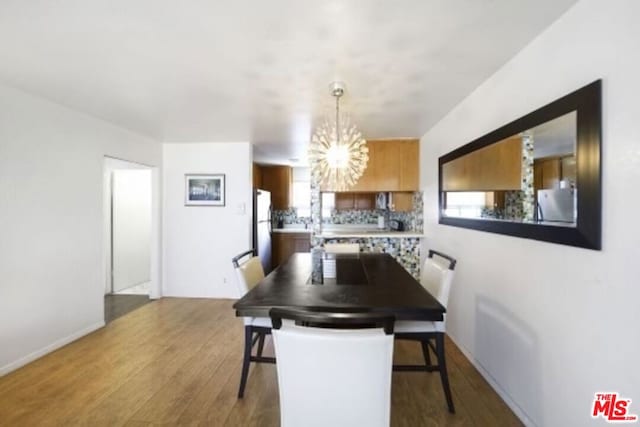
point(362, 283)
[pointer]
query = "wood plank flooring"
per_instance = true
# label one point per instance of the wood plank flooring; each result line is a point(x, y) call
point(116, 305)
point(177, 362)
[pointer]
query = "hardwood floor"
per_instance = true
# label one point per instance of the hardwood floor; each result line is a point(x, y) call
point(116, 305)
point(177, 362)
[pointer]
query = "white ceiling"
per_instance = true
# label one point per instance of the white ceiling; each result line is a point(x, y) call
point(556, 137)
point(259, 70)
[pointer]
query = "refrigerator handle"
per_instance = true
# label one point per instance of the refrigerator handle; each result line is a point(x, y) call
point(539, 216)
point(269, 224)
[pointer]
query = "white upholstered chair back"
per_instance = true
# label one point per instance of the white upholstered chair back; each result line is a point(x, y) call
point(342, 248)
point(436, 277)
point(333, 377)
point(249, 274)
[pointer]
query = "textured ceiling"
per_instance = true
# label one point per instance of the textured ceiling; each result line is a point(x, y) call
point(260, 70)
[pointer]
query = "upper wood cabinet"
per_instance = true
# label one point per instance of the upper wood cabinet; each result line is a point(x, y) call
point(495, 167)
point(364, 201)
point(277, 180)
point(386, 165)
point(409, 165)
point(257, 176)
point(393, 166)
point(546, 173)
point(549, 171)
point(344, 201)
point(402, 202)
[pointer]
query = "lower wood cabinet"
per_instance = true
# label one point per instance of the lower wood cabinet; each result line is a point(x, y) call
point(286, 244)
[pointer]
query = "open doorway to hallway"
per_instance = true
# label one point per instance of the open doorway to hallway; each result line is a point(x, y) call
point(128, 223)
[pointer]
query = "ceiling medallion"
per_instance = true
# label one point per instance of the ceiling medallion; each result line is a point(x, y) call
point(338, 153)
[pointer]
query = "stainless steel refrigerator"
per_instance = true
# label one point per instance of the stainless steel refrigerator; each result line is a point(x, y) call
point(557, 205)
point(262, 227)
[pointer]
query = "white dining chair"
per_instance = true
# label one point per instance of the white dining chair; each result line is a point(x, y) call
point(436, 277)
point(342, 248)
point(249, 274)
point(333, 377)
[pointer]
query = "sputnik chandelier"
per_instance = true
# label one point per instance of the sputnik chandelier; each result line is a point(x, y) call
point(338, 153)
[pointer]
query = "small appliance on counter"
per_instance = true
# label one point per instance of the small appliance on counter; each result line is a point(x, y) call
point(381, 221)
point(396, 225)
point(383, 201)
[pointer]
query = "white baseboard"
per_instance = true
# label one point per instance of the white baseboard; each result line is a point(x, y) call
point(4, 370)
point(503, 394)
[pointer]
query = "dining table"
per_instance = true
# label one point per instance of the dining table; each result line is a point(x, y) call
point(363, 282)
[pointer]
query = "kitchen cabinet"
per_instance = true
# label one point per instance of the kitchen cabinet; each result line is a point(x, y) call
point(386, 165)
point(361, 201)
point(402, 201)
point(549, 171)
point(257, 176)
point(495, 167)
point(546, 173)
point(393, 166)
point(367, 182)
point(278, 181)
point(286, 244)
point(409, 151)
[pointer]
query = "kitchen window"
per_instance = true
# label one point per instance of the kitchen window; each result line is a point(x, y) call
point(328, 204)
point(301, 192)
point(466, 204)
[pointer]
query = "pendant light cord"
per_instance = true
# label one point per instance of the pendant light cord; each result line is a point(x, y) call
point(338, 119)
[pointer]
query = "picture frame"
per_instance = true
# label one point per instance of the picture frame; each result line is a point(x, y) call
point(204, 189)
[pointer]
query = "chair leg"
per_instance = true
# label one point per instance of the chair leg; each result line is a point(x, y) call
point(248, 335)
point(425, 352)
point(443, 370)
point(261, 344)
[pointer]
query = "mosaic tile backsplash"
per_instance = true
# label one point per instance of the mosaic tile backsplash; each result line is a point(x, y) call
point(413, 220)
point(405, 250)
point(290, 216)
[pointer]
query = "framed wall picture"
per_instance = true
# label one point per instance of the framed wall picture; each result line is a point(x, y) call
point(204, 190)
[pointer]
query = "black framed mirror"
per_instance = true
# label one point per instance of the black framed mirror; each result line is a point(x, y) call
point(538, 177)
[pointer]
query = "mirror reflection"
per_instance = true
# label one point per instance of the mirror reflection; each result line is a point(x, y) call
point(529, 177)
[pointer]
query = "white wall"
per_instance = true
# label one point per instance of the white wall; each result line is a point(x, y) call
point(199, 241)
point(51, 221)
point(131, 228)
point(549, 325)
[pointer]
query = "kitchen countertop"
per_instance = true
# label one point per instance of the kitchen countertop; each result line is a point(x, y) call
point(358, 231)
point(364, 231)
point(382, 234)
point(291, 230)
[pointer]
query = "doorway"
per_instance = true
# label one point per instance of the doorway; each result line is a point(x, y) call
point(128, 223)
